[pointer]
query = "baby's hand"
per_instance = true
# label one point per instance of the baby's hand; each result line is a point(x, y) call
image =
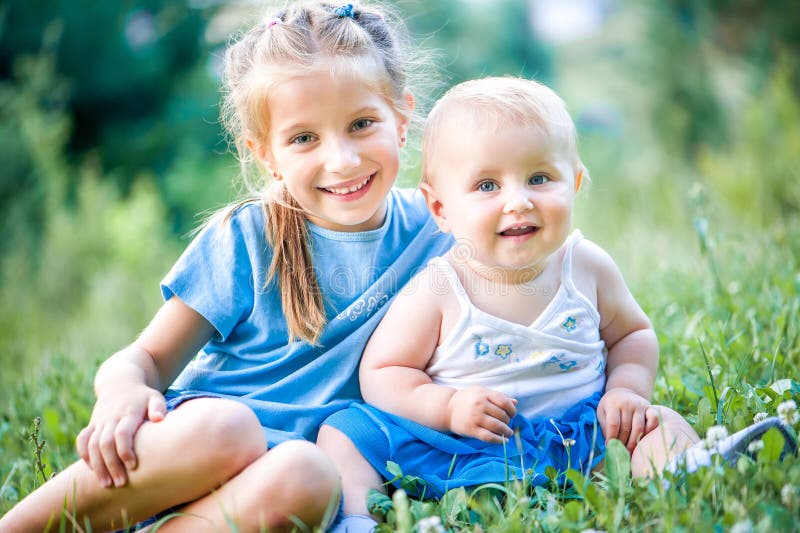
point(106, 444)
point(481, 413)
point(626, 416)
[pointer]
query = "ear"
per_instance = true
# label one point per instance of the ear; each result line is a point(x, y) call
point(408, 96)
point(578, 180)
point(403, 118)
point(435, 206)
point(262, 153)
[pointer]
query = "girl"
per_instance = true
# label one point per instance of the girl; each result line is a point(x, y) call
point(266, 314)
point(520, 349)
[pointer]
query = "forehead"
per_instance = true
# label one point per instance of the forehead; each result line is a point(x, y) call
point(466, 137)
point(314, 94)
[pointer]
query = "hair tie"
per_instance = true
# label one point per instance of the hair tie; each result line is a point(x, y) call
point(272, 22)
point(345, 10)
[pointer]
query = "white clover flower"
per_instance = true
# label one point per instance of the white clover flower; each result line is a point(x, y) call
point(787, 411)
point(743, 526)
point(714, 435)
point(760, 417)
point(787, 495)
point(755, 446)
point(431, 524)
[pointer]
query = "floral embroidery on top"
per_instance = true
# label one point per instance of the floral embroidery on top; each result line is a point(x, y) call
point(559, 362)
point(364, 306)
point(566, 365)
point(553, 361)
point(503, 350)
point(570, 324)
point(481, 348)
point(601, 366)
point(499, 352)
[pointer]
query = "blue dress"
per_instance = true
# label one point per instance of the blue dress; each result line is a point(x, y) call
point(293, 387)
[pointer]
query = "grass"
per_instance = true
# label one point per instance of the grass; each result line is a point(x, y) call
point(719, 280)
point(729, 329)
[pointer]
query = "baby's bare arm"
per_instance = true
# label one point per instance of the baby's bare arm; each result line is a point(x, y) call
point(393, 376)
point(624, 411)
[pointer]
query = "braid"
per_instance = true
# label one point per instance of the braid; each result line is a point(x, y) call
point(358, 39)
point(291, 264)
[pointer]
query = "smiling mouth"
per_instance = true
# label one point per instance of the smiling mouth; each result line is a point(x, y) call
point(516, 231)
point(350, 189)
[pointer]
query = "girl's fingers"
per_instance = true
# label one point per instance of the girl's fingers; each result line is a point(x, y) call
point(82, 443)
point(96, 462)
point(110, 457)
point(123, 439)
point(156, 408)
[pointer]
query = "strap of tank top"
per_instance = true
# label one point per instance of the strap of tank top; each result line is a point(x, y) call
point(566, 266)
point(444, 267)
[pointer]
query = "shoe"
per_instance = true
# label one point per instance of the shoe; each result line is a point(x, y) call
point(731, 447)
point(354, 523)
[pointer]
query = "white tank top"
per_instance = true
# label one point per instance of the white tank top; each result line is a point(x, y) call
point(548, 366)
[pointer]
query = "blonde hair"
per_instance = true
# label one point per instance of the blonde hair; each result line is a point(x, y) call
point(497, 101)
point(361, 41)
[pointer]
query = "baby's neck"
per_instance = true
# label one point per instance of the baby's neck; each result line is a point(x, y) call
point(516, 295)
point(493, 275)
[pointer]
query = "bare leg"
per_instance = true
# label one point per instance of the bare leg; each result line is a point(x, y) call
point(358, 476)
point(672, 436)
point(194, 450)
point(294, 479)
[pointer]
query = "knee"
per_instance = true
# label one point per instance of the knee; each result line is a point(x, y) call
point(309, 481)
point(228, 432)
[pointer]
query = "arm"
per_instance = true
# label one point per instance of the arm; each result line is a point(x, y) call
point(129, 388)
point(393, 376)
point(624, 411)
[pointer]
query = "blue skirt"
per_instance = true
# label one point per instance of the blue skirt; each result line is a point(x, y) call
point(445, 461)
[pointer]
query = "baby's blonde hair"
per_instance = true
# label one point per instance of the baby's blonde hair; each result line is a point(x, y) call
point(353, 40)
point(496, 101)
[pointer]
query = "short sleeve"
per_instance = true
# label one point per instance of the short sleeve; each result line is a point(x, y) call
point(215, 274)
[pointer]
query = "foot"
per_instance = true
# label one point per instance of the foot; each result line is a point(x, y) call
point(731, 447)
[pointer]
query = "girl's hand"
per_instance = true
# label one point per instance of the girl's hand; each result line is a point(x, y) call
point(626, 416)
point(481, 413)
point(106, 444)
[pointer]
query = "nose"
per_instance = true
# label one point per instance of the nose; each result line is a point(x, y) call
point(341, 155)
point(517, 200)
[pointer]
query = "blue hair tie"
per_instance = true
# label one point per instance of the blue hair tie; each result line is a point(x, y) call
point(345, 10)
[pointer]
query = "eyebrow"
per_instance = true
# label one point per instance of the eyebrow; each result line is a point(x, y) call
point(298, 127)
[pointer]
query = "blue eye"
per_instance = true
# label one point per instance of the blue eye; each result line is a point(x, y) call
point(538, 179)
point(303, 138)
point(362, 123)
point(487, 186)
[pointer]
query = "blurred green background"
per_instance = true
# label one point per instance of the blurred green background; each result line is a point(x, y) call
point(688, 113)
